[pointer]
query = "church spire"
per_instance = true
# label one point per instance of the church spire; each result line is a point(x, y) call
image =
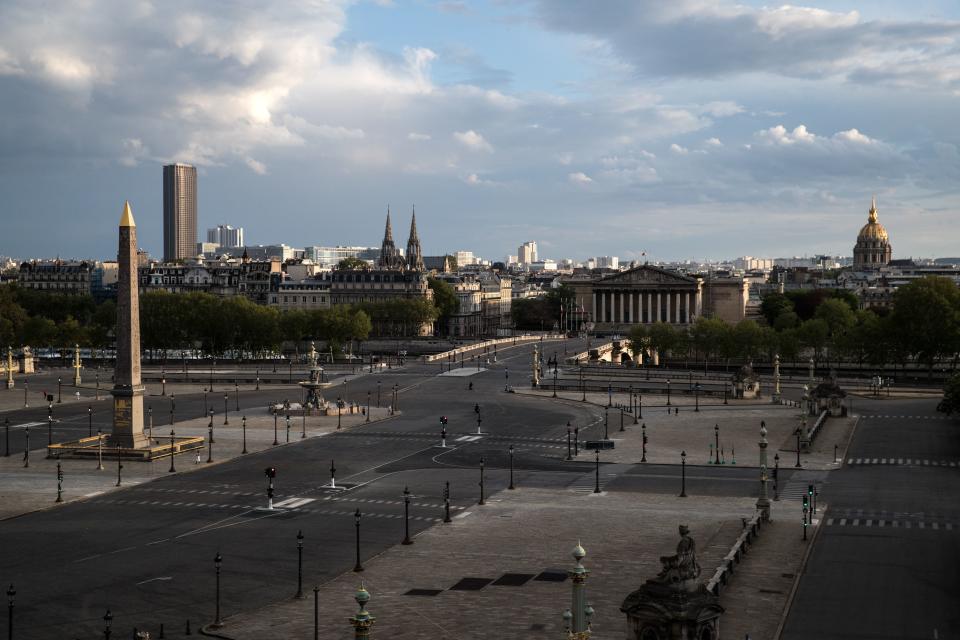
point(390, 257)
point(388, 232)
point(414, 253)
point(873, 209)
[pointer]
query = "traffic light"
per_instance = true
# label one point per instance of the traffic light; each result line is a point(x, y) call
point(270, 472)
point(443, 420)
point(809, 491)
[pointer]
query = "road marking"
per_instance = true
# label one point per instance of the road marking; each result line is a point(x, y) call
point(26, 425)
point(829, 522)
point(463, 515)
point(921, 525)
point(90, 495)
point(906, 524)
point(292, 503)
point(936, 526)
point(162, 578)
point(856, 522)
point(868, 523)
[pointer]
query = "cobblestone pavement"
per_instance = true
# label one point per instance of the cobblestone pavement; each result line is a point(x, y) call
point(28, 489)
point(517, 537)
point(687, 430)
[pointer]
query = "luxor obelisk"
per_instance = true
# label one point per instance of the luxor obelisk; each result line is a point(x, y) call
point(128, 389)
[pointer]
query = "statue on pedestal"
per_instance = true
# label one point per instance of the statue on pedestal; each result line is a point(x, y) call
point(674, 605)
point(683, 565)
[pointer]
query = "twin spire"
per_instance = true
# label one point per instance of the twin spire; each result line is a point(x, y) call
point(390, 257)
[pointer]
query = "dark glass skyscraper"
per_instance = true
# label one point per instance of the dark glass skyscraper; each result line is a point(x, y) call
point(179, 211)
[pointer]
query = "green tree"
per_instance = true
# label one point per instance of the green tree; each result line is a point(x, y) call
point(666, 340)
point(38, 331)
point(773, 305)
point(444, 299)
point(352, 262)
point(951, 396)
point(814, 335)
point(926, 316)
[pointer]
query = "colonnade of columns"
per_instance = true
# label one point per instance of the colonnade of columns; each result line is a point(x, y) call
point(624, 306)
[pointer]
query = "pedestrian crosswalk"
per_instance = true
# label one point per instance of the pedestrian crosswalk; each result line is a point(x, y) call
point(912, 462)
point(896, 417)
point(294, 504)
point(588, 484)
point(893, 520)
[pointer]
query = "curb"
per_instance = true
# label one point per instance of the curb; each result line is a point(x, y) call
point(800, 571)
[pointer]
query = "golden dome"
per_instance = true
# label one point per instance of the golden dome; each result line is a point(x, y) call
point(873, 230)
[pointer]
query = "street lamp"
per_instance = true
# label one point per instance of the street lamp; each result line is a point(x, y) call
point(797, 433)
point(511, 467)
point(696, 396)
point(378, 394)
point(226, 408)
point(446, 502)
point(59, 481)
point(606, 423)
point(243, 422)
point(569, 454)
point(716, 448)
point(356, 519)
point(406, 516)
point(643, 428)
point(11, 593)
point(476, 410)
point(211, 424)
point(368, 406)
point(172, 468)
point(683, 474)
point(236, 394)
point(299, 594)
point(668, 393)
point(776, 475)
point(481, 482)
point(639, 405)
point(339, 409)
point(107, 620)
point(288, 427)
point(90, 422)
point(217, 561)
point(149, 421)
point(596, 487)
point(26, 447)
point(554, 382)
point(59, 390)
point(210, 440)
point(173, 406)
point(275, 441)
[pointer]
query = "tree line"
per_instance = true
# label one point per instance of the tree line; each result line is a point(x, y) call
point(826, 325)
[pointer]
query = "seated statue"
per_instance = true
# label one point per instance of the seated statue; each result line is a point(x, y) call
point(683, 565)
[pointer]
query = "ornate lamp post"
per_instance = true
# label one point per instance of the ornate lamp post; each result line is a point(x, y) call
point(287, 419)
point(481, 482)
point(243, 422)
point(716, 449)
point(172, 444)
point(596, 486)
point(211, 424)
point(26, 447)
point(511, 466)
point(577, 621)
point(797, 433)
point(643, 428)
point(59, 481)
point(356, 521)
point(90, 420)
point(236, 394)
point(569, 450)
point(696, 391)
point(226, 408)
point(368, 406)
point(446, 502)
point(406, 516)
point(339, 410)
point(776, 475)
point(217, 561)
point(107, 621)
point(362, 620)
point(11, 594)
point(668, 392)
point(299, 594)
point(59, 390)
point(683, 474)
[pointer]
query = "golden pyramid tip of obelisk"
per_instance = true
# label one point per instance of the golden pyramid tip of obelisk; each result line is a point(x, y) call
point(126, 220)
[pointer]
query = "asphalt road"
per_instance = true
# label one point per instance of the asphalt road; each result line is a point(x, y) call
point(886, 563)
point(146, 552)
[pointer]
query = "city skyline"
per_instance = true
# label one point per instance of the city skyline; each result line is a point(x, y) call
point(522, 120)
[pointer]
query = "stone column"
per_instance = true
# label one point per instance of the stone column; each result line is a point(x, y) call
point(658, 306)
point(630, 298)
point(593, 295)
point(580, 612)
point(603, 306)
point(763, 502)
point(776, 379)
point(686, 310)
point(623, 297)
point(640, 307)
point(77, 365)
point(9, 368)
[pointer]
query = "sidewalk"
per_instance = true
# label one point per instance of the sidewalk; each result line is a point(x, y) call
point(28, 489)
point(526, 532)
point(669, 433)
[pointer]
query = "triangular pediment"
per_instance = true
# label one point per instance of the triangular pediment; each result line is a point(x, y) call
point(647, 274)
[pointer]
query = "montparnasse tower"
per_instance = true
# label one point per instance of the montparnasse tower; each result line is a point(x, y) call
point(873, 249)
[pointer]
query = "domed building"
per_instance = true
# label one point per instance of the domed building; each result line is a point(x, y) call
point(873, 248)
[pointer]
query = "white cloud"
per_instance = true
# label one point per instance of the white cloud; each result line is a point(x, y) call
point(722, 108)
point(418, 137)
point(579, 177)
point(779, 135)
point(473, 141)
point(713, 142)
point(677, 149)
point(256, 166)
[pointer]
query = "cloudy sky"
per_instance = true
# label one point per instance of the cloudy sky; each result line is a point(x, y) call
point(683, 129)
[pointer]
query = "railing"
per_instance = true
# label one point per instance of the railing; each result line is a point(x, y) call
point(489, 343)
point(815, 429)
point(751, 529)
